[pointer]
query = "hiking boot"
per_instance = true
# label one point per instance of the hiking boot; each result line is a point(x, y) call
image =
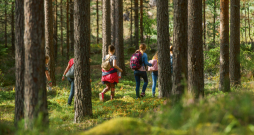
point(142, 94)
point(101, 96)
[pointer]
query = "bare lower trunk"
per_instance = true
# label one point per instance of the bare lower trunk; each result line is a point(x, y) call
point(106, 27)
point(136, 24)
point(12, 28)
point(141, 22)
point(67, 29)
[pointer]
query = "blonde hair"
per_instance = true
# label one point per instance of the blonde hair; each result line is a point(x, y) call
point(155, 57)
point(47, 58)
point(171, 49)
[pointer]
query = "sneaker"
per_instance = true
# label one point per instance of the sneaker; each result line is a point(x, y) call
point(153, 95)
point(101, 96)
point(142, 94)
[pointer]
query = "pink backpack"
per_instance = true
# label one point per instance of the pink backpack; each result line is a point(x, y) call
point(136, 60)
point(155, 65)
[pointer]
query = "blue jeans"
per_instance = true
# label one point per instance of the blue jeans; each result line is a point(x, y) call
point(137, 75)
point(154, 77)
point(71, 80)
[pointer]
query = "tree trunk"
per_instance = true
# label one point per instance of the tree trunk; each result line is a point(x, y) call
point(56, 30)
point(35, 85)
point(12, 28)
point(49, 39)
point(141, 22)
point(195, 49)
point(83, 94)
point(180, 68)
point(234, 63)
point(119, 34)
point(61, 27)
point(19, 61)
point(214, 23)
point(5, 23)
point(106, 28)
point(165, 82)
point(71, 25)
point(113, 20)
point(245, 23)
point(67, 29)
point(131, 23)
point(97, 21)
point(224, 46)
point(204, 26)
point(136, 24)
point(252, 44)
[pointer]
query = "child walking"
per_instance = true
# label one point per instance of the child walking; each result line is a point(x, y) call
point(110, 77)
point(154, 70)
point(47, 72)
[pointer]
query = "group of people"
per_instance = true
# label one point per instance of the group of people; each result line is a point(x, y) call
point(110, 77)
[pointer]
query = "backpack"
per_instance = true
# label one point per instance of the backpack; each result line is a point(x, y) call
point(70, 73)
point(105, 65)
point(136, 60)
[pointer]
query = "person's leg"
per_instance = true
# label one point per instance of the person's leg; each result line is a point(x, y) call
point(101, 95)
point(71, 80)
point(112, 85)
point(154, 83)
point(137, 78)
point(144, 76)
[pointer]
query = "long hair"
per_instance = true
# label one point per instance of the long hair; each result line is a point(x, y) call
point(142, 47)
point(155, 57)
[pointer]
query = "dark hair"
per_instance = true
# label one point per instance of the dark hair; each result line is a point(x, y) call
point(142, 46)
point(111, 48)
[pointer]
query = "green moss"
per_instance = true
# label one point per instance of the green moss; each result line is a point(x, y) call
point(120, 126)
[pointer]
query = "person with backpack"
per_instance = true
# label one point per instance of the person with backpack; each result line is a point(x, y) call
point(138, 62)
point(109, 73)
point(154, 70)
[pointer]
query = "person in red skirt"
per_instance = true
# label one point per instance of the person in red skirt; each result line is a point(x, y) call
point(110, 77)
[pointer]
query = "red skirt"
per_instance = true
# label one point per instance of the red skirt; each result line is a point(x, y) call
point(109, 76)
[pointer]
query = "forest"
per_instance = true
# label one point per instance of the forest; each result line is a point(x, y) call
point(141, 67)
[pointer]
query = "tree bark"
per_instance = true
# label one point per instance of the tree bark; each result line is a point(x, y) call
point(19, 61)
point(67, 29)
point(131, 24)
point(234, 63)
point(252, 44)
point(113, 20)
point(119, 35)
point(71, 25)
point(195, 49)
point(61, 27)
point(97, 21)
point(214, 23)
point(35, 85)
point(180, 68)
point(106, 28)
point(224, 46)
point(56, 30)
point(136, 24)
point(204, 27)
point(245, 23)
point(5, 24)
point(141, 22)
point(12, 28)
point(83, 94)
point(165, 82)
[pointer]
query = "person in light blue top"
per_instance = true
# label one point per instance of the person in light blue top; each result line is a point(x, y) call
point(142, 71)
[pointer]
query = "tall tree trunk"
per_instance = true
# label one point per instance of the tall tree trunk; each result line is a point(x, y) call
point(35, 85)
point(180, 68)
point(97, 21)
point(5, 23)
point(83, 94)
point(195, 49)
point(214, 23)
point(67, 29)
point(165, 82)
point(19, 61)
point(204, 26)
point(119, 35)
point(136, 24)
point(131, 23)
point(49, 38)
point(252, 44)
point(234, 63)
point(245, 23)
point(12, 28)
point(141, 22)
point(56, 30)
point(71, 25)
point(106, 28)
point(61, 27)
point(224, 46)
point(113, 21)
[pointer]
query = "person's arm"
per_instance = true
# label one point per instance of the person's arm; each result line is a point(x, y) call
point(48, 77)
point(145, 59)
point(66, 70)
point(115, 66)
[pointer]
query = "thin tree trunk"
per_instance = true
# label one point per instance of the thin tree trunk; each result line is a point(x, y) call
point(56, 30)
point(119, 35)
point(141, 22)
point(19, 61)
point(83, 94)
point(245, 23)
point(180, 68)
point(35, 85)
point(252, 47)
point(106, 28)
point(214, 23)
point(204, 27)
point(12, 28)
point(165, 82)
point(136, 24)
point(131, 24)
point(97, 21)
point(71, 25)
point(195, 49)
point(234, 63)
point(224, 46)
point(67, 30)
point(113, 20)
point(5, 23)
point(61, 27)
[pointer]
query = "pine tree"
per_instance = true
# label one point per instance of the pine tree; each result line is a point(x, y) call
point(106, 28)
